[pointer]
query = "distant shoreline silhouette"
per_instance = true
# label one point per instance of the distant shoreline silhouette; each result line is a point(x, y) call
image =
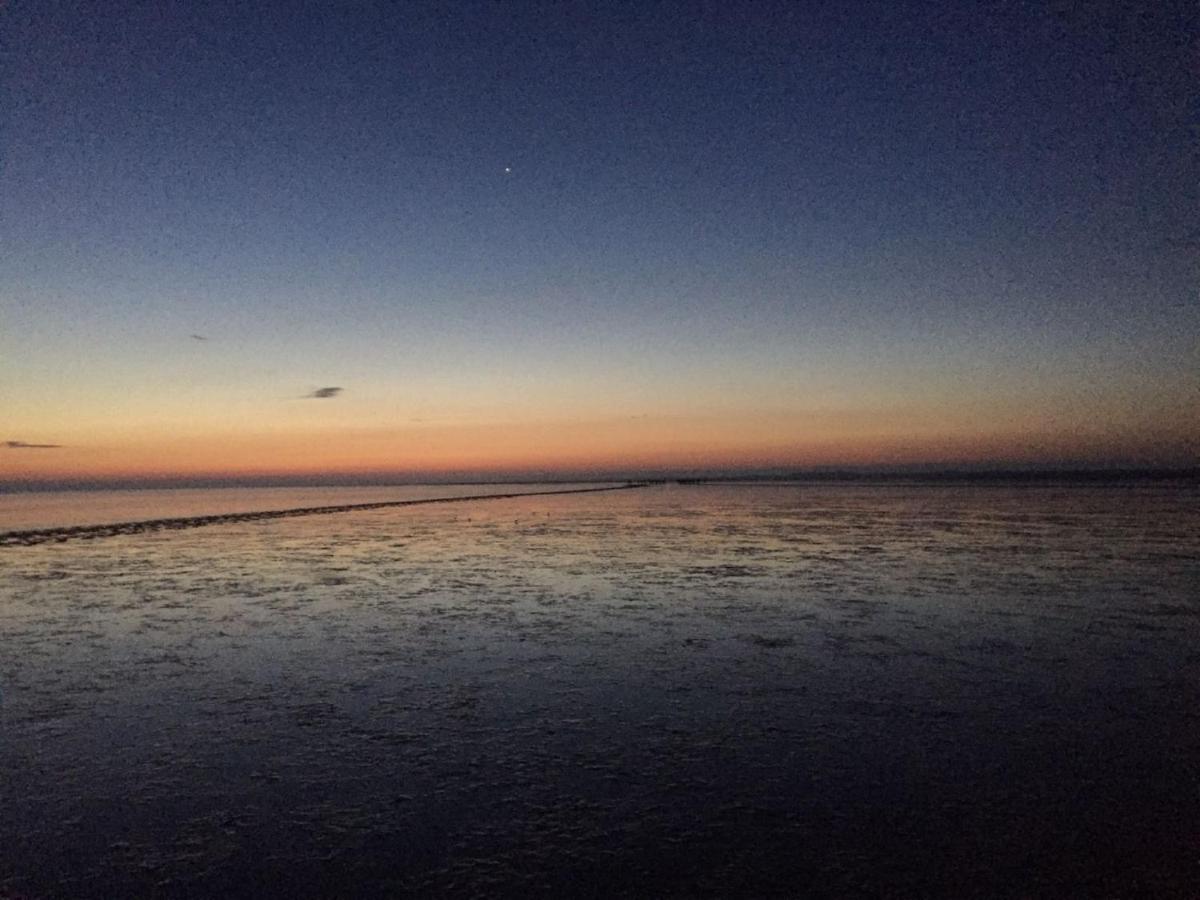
point(654, 476)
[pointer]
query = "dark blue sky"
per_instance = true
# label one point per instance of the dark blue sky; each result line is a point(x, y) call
point(792, 194)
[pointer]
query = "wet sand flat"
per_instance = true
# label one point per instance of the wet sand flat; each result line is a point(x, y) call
point(831, 690)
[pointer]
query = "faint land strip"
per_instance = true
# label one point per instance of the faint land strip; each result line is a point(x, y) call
point(89, 532)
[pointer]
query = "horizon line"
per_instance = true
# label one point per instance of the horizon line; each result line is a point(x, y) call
point(928, 471)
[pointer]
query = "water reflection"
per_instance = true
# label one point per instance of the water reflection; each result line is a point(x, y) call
point(67, 509)
point(807, 689)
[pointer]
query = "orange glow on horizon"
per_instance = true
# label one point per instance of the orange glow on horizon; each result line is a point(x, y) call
point(630, 444)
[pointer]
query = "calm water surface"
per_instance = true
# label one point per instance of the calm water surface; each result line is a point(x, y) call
point(873, 690)
point(57, 509)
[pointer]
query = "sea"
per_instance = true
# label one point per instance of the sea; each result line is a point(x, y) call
point(852, 689)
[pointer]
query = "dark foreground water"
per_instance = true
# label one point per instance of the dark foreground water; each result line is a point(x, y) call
point(875, 690)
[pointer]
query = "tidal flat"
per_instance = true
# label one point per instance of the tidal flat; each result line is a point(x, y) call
point(757, 690)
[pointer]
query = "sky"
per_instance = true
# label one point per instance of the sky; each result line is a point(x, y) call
point(510, 238)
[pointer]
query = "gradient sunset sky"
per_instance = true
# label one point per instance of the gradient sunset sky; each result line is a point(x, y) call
point(596, 237)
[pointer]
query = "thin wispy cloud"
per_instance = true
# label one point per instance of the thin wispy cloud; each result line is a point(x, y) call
point(25, 445)
point(323, 393)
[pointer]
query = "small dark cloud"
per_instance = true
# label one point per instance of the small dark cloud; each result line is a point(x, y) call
point(23, 445)
point(198, 337)
point(323, 393)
